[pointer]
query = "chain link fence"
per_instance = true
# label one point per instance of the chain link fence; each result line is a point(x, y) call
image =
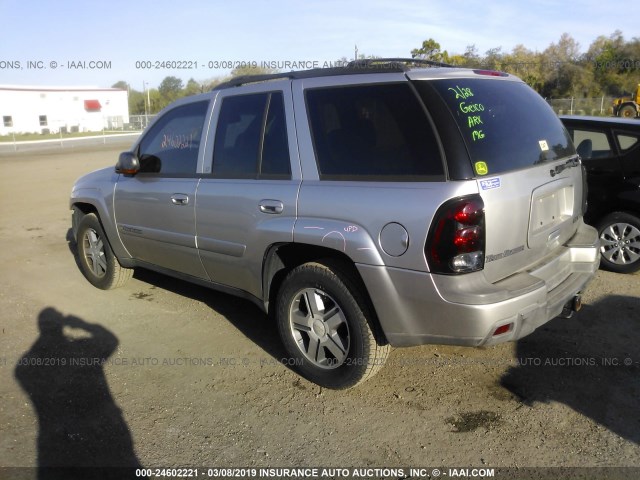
point(139, 122)
point(598, 106)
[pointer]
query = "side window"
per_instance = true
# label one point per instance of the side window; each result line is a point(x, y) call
point(372, 132)
point(171, 146)
point(251, 138)
point(591, 144)
point(626, 141)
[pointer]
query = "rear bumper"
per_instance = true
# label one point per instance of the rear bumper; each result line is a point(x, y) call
point(415, 308)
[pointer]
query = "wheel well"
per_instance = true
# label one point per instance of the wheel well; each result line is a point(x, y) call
point(627, 211)
point(281, 259)
point(79, 211)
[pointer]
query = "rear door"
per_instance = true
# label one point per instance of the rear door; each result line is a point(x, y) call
point(246, 201)
point(594, 143)
point(525, 166)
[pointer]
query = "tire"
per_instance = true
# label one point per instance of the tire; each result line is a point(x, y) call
point(95, 257)
point(325, 324)
point(620, 242)
point(628, 111)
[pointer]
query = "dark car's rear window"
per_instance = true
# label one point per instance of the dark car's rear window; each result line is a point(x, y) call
point(506, 125)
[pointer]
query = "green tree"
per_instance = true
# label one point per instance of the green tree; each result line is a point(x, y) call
point(170, 89)
point(122, 85)
point(248, 70)
point(525, 64)
point(565, 73)
point(430, 50)
point(192, 88)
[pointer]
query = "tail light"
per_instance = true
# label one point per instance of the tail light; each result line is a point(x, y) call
point(456, 241)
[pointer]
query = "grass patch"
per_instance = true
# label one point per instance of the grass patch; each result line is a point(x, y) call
point(25, 137)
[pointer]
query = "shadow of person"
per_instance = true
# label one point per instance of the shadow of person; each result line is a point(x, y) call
point(80, 425)
point(590, 362)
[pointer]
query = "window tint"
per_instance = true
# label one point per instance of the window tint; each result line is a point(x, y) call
point(275, 149)
point(626, 141)
point(506, 125)
point(591, 143)
point(372, 132)
point(171, 146)
point(251, 138)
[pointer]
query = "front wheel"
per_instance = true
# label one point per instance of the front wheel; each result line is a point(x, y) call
point(620, 242)
point(324, 322)
point(97, 261)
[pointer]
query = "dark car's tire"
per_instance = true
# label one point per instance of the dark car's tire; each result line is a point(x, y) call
point(620, 242)
point(97, 261)
point(323, 318)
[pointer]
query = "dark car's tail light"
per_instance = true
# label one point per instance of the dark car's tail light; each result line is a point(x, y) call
point(456, 241)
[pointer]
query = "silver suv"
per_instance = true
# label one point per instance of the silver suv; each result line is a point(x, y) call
point(365, 207)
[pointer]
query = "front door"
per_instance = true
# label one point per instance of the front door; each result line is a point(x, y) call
point(155, 209)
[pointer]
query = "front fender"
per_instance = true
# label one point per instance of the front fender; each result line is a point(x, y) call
point(95, 191)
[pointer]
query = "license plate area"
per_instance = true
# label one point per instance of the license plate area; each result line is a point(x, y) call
point(551, 217)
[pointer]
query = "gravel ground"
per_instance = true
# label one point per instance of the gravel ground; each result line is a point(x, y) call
point(195, 378)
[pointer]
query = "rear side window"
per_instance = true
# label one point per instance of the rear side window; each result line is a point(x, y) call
point(251, 138)
point(626, 141)
point(171, 146)
point(591, 143)
point(373, 132)
point(505, 124)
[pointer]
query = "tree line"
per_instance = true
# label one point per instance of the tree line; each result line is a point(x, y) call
point(609, 67)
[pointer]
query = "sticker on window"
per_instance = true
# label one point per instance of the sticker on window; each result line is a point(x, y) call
point(490, 184)
point(543, 145)
point(481, 168)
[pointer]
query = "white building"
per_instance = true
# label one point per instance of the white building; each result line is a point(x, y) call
point(67, 109)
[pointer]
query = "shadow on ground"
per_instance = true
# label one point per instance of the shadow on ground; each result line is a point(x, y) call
point(252, 322)
point(590, 362)
point(80, 424)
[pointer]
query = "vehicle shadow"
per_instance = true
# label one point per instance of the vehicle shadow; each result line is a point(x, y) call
point(81, 429)
point(590, 362)
point(252, 322)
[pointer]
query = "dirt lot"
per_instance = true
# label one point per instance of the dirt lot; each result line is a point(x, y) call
point(195, 378)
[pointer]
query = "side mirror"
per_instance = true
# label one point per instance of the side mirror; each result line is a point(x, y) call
point(128, 164)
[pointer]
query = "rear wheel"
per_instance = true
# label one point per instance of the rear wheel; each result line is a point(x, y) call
point(628, 111)
point(620, 242)
point(324, 322)
point(97, 261)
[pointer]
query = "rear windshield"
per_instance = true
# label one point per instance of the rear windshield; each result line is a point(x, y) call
point(506, 125)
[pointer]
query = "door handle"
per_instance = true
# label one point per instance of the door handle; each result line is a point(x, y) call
point(180, 199)
point(271, 206)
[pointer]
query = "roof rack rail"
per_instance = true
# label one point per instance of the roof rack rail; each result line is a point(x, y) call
point(366, 62)
point(369, 65)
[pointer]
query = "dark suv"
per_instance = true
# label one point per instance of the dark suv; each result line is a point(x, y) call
point(610, 151)
point(363, 207)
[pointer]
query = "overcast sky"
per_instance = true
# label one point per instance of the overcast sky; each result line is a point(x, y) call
point(56, 37)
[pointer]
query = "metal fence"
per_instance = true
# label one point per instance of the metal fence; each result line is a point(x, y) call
point(599, 106)
point(139, 122)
